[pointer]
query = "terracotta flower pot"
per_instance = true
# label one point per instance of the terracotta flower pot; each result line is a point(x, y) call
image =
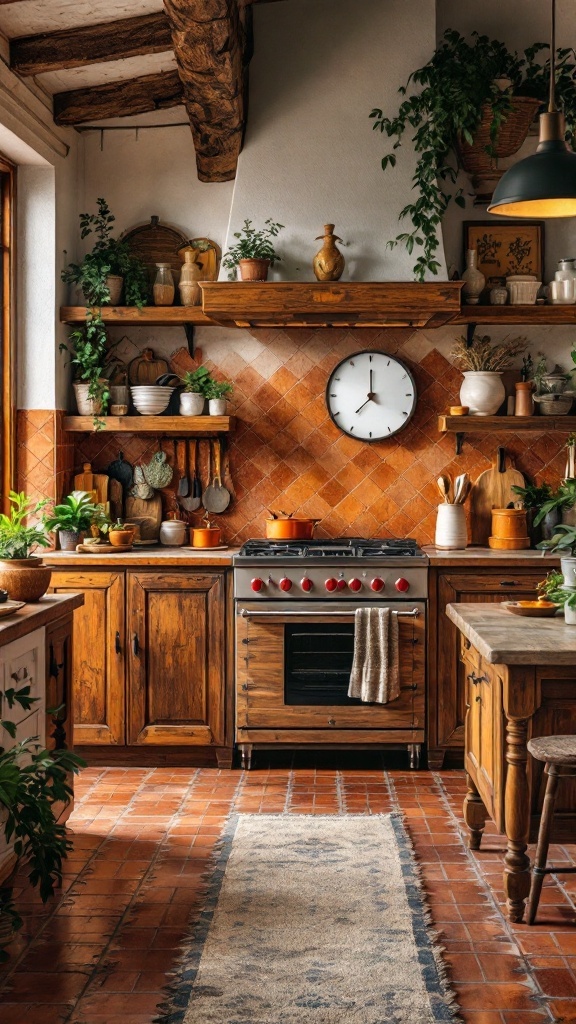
point(115, 284)
point(25, 579)
point(121, 538)
point(254, 270)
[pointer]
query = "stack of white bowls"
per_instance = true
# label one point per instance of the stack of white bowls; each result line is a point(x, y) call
point(150, 399)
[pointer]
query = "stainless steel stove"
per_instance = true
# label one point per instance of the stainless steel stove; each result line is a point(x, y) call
point(295, 604)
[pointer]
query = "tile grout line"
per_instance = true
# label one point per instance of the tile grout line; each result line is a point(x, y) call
point(543, 1000)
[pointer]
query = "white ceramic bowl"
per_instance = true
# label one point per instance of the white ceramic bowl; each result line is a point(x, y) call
point(522, 292)
point(150, 399)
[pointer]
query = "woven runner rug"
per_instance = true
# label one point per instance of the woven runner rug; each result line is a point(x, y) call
point(312, 919)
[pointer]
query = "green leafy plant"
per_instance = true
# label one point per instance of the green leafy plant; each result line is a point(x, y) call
point(196, 380)
point(88, 349)
point(218, 389)
point(534, 495)
point(253, 244)
point(32, 781)
point(17, 539)
point(563, 498)
point(109, 256)
point(445, 107)
point(77, 512)
point(563, 541)
point(481, 355)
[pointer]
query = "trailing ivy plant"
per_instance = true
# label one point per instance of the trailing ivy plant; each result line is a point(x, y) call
point(446, 107)
point(109, 256)
point(88, 349)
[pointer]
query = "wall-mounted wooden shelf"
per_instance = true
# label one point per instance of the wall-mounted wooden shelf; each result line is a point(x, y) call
point(172, 426)
point(160, 316)
point(461, 425)
point(522, 315)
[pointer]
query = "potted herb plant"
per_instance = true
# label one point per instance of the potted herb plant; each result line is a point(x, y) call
point(564, 543)
point(193, 396)
point(216, 392)
point(534, 496)
point(474, 100)
point(554, 588)
point(253, 253)
point(72, 519)
point(33, 781)
point(110, 266)
point(482, 365)
point(22, 574)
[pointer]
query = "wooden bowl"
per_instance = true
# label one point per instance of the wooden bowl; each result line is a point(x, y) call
point(120, 538)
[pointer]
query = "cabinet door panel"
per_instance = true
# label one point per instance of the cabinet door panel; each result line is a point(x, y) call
point(476, 587)
point(176, 680)
point(98, 654)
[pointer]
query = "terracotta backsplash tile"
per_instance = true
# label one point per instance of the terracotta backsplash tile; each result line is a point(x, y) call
point(287, 453)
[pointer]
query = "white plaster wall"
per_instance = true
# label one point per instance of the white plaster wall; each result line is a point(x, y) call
point(310, 156)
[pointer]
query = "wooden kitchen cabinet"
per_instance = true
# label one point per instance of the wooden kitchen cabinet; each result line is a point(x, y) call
point(152, 665)
point(98, 667)
point(446, 671)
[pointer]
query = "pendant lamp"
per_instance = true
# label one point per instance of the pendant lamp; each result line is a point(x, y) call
point(542, 185)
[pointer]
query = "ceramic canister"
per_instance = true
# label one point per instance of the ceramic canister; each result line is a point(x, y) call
point(173, 533)
point(451, 532)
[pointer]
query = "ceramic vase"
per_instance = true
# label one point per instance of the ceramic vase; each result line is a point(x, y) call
point(570, 614)
point(473, 278)
point(524, 405)
point(190, 291)
point(482, 391)
point(328, 263)
point(568, 567)
point(451, 532)
point(191, 403)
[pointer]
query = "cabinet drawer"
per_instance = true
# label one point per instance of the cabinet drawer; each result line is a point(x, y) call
point(24, 665)
point(504, 582)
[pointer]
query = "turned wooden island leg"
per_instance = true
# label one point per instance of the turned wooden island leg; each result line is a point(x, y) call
point(517, 818)
point(475, 814)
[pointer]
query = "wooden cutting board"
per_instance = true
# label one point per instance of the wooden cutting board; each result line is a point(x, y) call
point(115, 499)
point(492, 489)
point(94, 483)
point(147, 513)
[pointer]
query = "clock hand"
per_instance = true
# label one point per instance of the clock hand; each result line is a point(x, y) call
point(369, 399)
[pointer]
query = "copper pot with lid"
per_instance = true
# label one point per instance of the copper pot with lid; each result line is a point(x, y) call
point(281, 526)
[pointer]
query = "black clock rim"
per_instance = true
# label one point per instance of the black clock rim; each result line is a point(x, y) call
point(370, 352)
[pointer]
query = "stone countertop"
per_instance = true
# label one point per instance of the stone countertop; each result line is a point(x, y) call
point(505, 639)
point(156, 557)
point(40, 613)
point(477, 556)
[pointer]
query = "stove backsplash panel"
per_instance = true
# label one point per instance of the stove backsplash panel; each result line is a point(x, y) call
point(287, 454)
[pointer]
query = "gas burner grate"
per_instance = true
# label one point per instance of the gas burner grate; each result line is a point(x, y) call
point(355, 547)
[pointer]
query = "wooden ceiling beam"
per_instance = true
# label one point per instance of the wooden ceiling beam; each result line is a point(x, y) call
point(118, 99)
point(212, 45)
point(93, 44)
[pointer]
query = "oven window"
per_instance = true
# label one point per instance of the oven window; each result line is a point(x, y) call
point(317, 663)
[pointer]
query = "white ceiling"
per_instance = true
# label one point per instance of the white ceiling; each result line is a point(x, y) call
point(32, 16)
point(112, 71)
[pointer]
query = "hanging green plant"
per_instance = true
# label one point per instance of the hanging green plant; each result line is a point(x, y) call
point(445, 110)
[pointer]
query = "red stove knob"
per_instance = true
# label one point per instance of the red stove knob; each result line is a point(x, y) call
point(306, 584)
point(257, 584)
point(377, 583)
point(341, 584)
point(330, 584)
point(285, 584)
point(355, 585)
point(402, 585)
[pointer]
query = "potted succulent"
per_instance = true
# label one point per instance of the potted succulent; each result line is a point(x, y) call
point(22, 574)
point(109, 267)
point(253, 253)
point(72, 519)
point(193, 396)
point(475, 100)
point(482, 365)
point(32, 782)
point(216, 392)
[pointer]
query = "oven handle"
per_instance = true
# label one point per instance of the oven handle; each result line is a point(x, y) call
point(247, 614)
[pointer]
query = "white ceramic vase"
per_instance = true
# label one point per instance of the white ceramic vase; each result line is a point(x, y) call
point(217, 406)
point(568, 567)
point(482, 391)
point(191, 403)
point(451, 532)
point(473, 278)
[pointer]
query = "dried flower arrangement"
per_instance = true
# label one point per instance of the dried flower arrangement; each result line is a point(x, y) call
point(482, 356)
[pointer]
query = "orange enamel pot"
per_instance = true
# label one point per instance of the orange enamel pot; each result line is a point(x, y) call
point(290, 528)
point(206, 537)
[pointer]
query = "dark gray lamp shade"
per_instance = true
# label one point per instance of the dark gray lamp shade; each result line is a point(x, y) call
point(542, 185)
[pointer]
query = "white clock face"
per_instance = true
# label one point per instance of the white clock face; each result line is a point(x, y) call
point(371, 396)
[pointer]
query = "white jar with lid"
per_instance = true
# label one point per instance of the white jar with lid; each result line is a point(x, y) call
point(566, 272)
point(173, 533)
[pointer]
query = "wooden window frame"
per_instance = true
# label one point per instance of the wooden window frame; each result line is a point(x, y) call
point(8, 329)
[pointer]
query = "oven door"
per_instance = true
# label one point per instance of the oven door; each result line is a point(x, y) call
point(293, 667)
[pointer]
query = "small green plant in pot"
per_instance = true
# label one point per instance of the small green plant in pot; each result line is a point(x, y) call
point(253, 253)
point(72, 519)
point(109, 266)
point(22, 574)
point(33, 781)
point(193, 396)
point(217, 393)
point(554, 589)
point(564, 543)
point(533, 497)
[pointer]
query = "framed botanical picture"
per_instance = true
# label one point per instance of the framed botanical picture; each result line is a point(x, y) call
point(509, 247)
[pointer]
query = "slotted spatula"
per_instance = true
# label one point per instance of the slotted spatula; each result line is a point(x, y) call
point(191, 503)
point(216, 497)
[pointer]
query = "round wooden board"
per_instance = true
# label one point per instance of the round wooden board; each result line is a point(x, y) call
point(157, 243)
point(106, 549)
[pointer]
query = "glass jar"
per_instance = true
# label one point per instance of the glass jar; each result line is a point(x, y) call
point(163, 289)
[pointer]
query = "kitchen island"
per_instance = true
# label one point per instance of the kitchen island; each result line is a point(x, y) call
point(520, 683)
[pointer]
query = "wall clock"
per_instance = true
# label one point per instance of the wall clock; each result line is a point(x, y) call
point(371, 395)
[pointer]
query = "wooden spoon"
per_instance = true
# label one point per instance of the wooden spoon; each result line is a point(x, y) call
point(444, 485)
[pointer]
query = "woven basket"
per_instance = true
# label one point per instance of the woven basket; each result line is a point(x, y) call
point(512, 133)
point(25, 579)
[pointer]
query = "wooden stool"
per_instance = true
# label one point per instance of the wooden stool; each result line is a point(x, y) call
point(559, 753)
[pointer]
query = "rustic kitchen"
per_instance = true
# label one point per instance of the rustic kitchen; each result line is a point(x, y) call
point(288, 536)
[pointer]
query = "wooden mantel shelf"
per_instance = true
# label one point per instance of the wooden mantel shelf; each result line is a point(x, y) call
point(131, 316)
point(461, 425)
point(509, 315)
point(173, 426)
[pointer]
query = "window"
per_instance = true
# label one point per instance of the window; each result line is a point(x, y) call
point(7, 329)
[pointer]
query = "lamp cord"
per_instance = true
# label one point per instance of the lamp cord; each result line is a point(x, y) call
point(552, 97)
